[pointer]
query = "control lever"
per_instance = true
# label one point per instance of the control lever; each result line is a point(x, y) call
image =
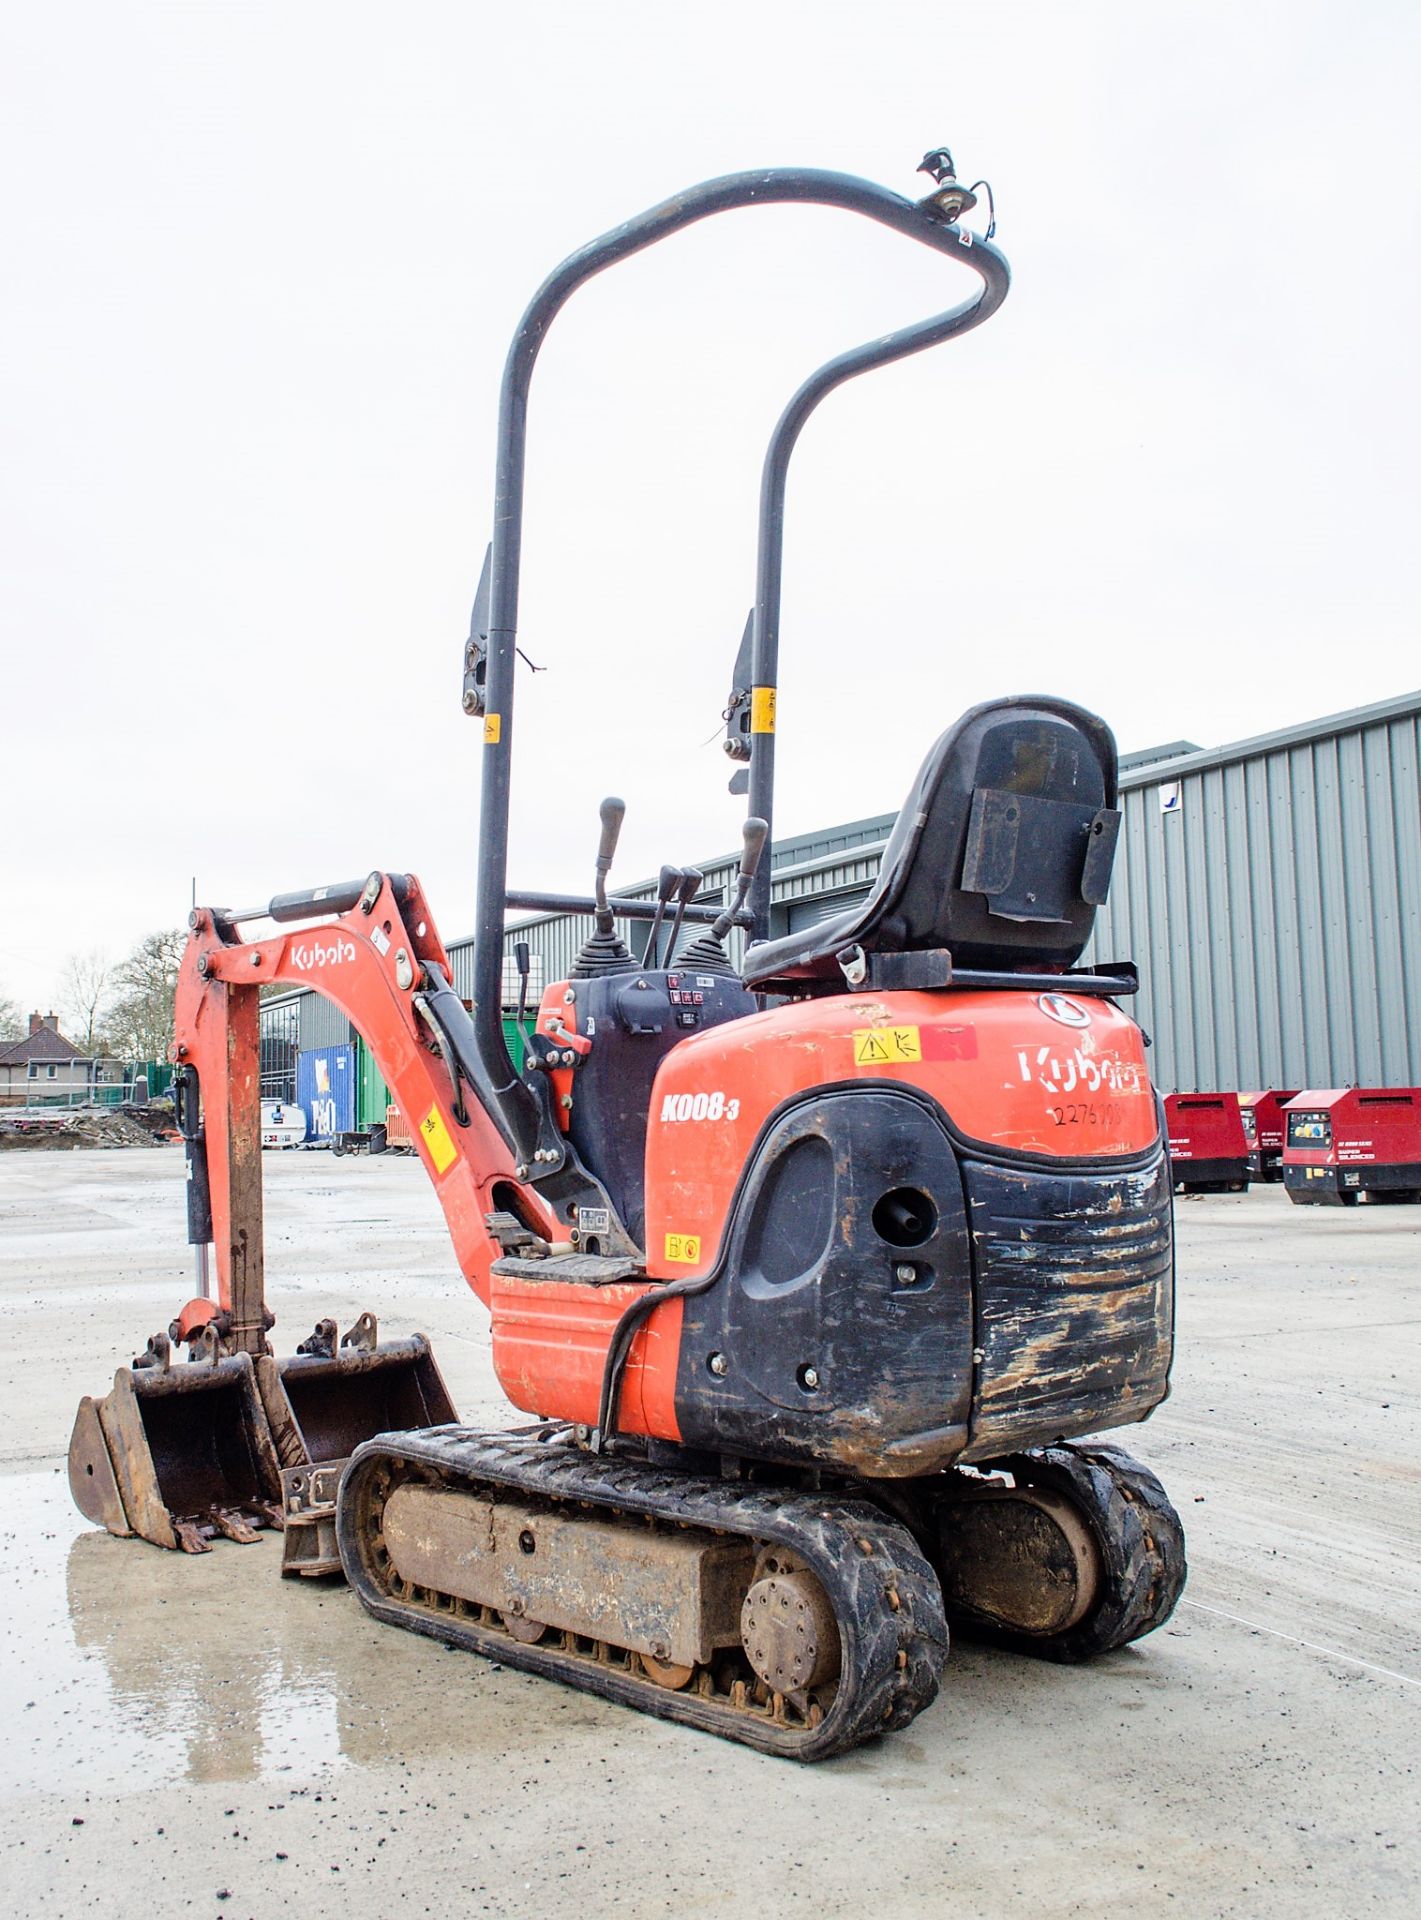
point(613, 813)
point(671, 878)
point(691, 883)
point(756, 832)
point(604, 950)
point(523, 964)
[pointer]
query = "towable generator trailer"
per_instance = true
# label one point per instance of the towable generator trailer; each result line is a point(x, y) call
point(1208, 1148)
point(1265, 1129)
point(817, 1271)
point(1345, 1143)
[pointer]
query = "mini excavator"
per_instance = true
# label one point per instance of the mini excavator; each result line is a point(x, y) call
point(815, 1259)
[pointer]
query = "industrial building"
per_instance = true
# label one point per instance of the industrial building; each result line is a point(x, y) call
point(1269, 892)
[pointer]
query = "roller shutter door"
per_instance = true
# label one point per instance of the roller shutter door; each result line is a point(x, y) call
point(823, 906)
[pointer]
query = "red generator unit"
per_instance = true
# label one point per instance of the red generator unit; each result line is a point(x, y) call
point(1208, 1149)
point(1344, 1142)
point(1264, 1128)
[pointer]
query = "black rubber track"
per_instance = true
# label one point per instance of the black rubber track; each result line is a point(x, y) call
point(1141, 1544)
point(885, 1596)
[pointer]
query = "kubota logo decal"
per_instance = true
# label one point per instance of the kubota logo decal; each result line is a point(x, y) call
point(319, 954)
point(1057, 1007)
point(1061, 1072)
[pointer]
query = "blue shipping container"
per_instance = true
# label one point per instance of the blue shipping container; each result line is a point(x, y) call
point(325, 1087)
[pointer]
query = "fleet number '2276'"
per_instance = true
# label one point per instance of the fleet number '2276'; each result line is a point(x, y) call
point(1082, 1113)
point(699, 1106)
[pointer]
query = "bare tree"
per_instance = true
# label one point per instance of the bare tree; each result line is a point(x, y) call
point(12, 1025)
point(84, 991)
point(140, 1020)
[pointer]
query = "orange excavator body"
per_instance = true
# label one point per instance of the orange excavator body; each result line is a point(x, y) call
point(809, 1260)
point(1009, 1074)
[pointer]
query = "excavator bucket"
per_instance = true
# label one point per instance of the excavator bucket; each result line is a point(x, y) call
point(322, 1404)
point(177, 1454)
point(233, 1439)
point(182, 1453)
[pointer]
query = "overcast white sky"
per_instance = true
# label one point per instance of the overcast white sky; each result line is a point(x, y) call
point(260, 266)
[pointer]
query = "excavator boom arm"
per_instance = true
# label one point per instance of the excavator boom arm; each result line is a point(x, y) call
point(375, 961)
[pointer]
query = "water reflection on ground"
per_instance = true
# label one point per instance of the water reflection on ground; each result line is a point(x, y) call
point(125, 1666)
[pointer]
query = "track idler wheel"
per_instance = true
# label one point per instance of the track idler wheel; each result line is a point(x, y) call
point(1082, 1553)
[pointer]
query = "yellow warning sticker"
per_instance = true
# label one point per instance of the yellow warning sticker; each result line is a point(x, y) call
point(886, 1046)
point(493, 729)
point(684, 1248)
point(762, 710)
point(442, 1150)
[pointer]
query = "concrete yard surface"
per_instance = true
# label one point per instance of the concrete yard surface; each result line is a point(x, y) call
point(194, 1736)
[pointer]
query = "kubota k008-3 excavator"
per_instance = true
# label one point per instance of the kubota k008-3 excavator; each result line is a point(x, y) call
point(814, 1271)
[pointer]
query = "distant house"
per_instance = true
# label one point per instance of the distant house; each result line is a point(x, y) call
point(44, 1064)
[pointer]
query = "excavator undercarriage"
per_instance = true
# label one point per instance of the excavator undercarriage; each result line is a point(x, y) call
point(797, 1622)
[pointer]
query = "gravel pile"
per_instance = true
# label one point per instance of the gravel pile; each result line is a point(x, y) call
point(78, 1127)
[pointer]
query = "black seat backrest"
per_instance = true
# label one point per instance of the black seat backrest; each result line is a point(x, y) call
point(1001, 854)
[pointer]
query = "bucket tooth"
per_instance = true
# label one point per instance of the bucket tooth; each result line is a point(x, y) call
point(233, 1527)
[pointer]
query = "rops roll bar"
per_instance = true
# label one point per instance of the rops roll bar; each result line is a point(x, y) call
point(928, 222)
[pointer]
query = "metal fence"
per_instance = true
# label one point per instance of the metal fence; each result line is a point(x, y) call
point(31, 1099)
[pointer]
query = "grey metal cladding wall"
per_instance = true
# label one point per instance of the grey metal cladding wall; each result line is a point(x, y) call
point(807, 865)
point(322, 1023)
point(816, 846)
point(1276, 916)
point(849, 873)
point(557, 938)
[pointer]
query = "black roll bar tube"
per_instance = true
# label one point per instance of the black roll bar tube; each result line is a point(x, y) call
point(775, 186)
point(770, 548)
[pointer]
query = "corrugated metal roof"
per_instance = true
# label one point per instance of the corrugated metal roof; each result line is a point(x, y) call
point(1171, 750)
point(1401, 706)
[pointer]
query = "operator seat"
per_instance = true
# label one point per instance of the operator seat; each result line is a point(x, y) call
point(1001, 854)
